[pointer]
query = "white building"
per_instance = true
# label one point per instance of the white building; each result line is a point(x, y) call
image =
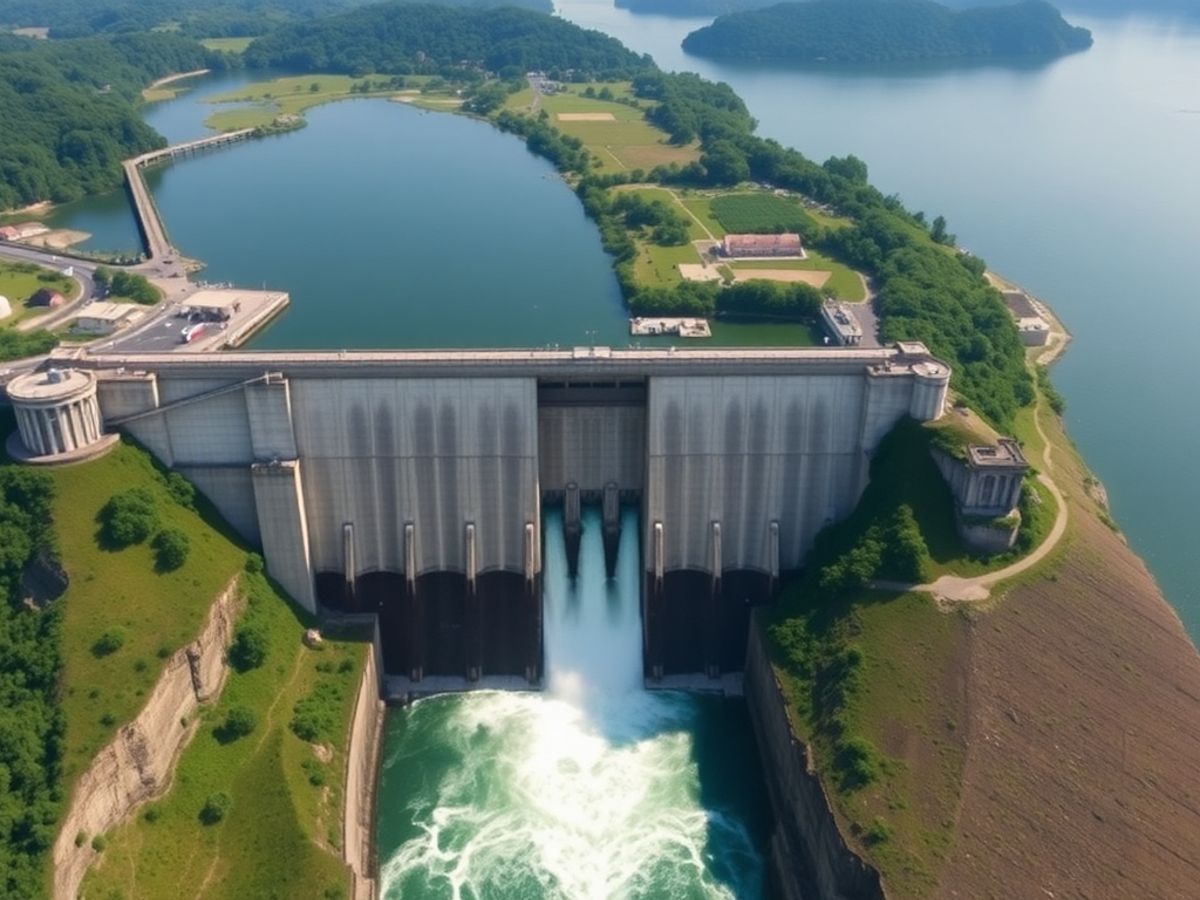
point(105, 318)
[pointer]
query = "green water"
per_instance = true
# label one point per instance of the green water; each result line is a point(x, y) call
point(1076, 179)
point(594, 789)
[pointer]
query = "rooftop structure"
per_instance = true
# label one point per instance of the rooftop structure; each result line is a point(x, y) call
point(762, 245)
point(47, 298)
point(842, 324)
point(105, 318)
point(216, 304)
point(58, 416)
point(696, 328)
point(1034, 329)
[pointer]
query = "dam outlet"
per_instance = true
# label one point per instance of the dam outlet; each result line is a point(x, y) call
point(591, 788)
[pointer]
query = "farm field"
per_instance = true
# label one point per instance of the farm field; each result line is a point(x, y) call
point(227, 44)
point(760, 213)
point(624, 142)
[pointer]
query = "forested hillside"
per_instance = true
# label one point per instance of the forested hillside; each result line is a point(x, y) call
point(68, 110)
point(198, 18)
point(690, 7)
point(882, 31)
point(403, 38)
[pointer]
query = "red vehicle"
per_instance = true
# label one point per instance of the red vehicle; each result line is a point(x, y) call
point(191, 333)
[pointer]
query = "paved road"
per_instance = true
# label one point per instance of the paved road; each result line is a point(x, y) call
point(83, 277)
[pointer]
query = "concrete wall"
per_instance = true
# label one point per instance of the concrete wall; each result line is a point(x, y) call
point(592, 446)
point(749, 451)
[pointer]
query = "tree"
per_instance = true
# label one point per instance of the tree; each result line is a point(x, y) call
point(249, 648)
point(171, 546)
point(215, 808)
point(938, 232)
point(128, 518)
point(724, 163)
point(239, 722)
point(849, 167)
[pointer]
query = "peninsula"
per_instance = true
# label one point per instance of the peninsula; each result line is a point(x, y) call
point(888, 31)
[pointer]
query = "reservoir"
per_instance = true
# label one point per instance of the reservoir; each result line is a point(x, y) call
point(1076, 179)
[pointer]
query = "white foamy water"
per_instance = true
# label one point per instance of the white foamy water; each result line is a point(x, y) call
point(590, 790)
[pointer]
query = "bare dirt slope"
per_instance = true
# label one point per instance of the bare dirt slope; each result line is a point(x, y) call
point(1083, 771)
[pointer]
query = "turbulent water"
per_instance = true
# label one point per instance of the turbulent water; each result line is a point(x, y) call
point(594, 788)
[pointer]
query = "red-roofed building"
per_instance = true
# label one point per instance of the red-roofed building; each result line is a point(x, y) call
point(47, 298)
point(762, 245)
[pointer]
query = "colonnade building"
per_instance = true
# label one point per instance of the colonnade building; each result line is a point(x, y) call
point(57, 411)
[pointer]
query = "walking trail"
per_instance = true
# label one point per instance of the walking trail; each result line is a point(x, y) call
point(956, 589)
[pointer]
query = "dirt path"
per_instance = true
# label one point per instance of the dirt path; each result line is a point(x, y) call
point(179, 76)
point(956, 589)
point(695, 218)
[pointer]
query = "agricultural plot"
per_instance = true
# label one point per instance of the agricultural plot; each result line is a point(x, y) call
point(265, 101)
point(760, 214)
point(617, 135)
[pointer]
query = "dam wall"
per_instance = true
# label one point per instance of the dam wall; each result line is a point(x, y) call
point(410, 484)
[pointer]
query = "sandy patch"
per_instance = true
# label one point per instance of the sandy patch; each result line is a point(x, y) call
point(586, 117)
point(697, 272)
point(815, 278)
point(59, 239)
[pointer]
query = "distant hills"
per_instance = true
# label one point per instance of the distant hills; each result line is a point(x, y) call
point(699, 8)
point(884, 31)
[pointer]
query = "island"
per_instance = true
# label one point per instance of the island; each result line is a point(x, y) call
point(888, 31)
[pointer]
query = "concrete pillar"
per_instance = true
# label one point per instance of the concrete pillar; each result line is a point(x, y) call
point(572, 528)
point(283, 524)
point(773, 555)
point(269, 409)
point(712, 624)
point(474, 611)
point(349, 565)
point(612, 527)
point(533, 604)
point(653, 600)
point(416, 606)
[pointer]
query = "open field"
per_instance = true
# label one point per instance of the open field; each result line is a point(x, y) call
point(283, 96)
point(228, 44)
point(621, 141)
point(657, 265)
point(842, 280)
point(156, 613)
point(788, 276)
point(18, 281)
point(282, 833)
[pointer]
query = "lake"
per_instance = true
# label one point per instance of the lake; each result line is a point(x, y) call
point(1076, 179)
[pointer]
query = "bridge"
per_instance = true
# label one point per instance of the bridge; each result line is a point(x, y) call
point(150, 223)
point(410, 484)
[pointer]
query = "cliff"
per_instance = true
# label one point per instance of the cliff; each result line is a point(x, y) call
point(807, 849)
point(362, 769)
point(139, 762)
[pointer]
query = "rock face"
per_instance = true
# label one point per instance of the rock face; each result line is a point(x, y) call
point(809, 858)
point(139, 762)
point(362, 769)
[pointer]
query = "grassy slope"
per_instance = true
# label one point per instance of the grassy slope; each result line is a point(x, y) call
point(266, 100)
point(282, 835)
point(158, 613)
point(17, 285)
point(227, 44)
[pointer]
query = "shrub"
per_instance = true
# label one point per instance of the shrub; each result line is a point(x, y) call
point(215, 808)
point(315, 714)
point(171, 546)
point(129, 517)
point(239, 722)
point(249, 648)
point(858, 761)
point(99, 842)
point(152, 815)
point(110, 642)
point(80, 838)
point(254, 563)
point(181, 490)
point(879, 832)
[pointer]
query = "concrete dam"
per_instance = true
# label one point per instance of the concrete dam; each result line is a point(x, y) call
point(410, 484)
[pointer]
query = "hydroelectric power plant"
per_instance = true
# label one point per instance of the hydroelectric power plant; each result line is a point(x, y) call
point(410, 485)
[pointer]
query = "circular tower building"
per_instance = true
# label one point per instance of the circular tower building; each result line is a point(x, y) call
point(57, 412)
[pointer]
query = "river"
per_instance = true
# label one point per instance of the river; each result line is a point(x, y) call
point(1077, 179)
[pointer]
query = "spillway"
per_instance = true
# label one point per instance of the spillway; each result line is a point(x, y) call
point(594, 788)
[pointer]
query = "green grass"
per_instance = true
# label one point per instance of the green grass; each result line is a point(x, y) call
point(281, 836)
point(701, 207)
point(843, 280)
point(18, 281)
point(267, 100)
point(907, 706)
point(695, 230)
point(726, 333)
point(760, 213)
point(628, 142)
point(228, 44)
point(656, 265)
point(158, 613)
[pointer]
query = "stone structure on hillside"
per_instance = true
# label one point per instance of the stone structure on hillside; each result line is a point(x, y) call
point(986, 483)
point(57, 412)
